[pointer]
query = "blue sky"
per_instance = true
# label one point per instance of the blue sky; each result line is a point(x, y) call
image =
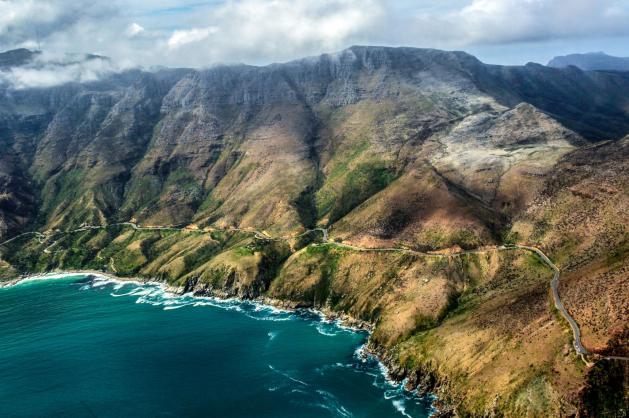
point(202, 33)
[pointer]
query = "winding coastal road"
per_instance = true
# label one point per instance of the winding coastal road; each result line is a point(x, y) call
point(37, 234)
point(554, 283)
point(554, 286)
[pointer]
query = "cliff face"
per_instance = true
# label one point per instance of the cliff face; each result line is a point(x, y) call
point(386, 147)
point(291, 145)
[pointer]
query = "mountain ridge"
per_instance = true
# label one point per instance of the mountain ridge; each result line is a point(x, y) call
point(384, 147)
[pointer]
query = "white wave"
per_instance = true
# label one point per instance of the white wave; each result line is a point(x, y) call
point(170, 308)
point(267, 318)
point(138, 291)
point(274, 309)
point(45, 276)
point(361, 353)
point(333, 404)
point(219, 306)
point(119, 286)
point(347, 328)
point(100, 282)
point(399, 406)
point(390, 394)
point(286, 375)
point(299, 391)
point(384, 370)
point(324, 329)
point(157, 294)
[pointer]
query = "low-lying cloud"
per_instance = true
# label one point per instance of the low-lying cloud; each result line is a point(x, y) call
point(50, 70)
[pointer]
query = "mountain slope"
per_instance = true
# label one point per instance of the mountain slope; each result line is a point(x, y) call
point(384, 147)
point(580, 218)
point(224, 146)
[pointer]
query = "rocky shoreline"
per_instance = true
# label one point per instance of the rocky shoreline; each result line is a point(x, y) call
point(423, 384)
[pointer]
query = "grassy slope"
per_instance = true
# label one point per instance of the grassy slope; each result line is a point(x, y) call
point(503, 348)
point(481, 325)
point(581, 220)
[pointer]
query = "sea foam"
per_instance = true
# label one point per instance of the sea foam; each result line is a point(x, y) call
point(157, 294)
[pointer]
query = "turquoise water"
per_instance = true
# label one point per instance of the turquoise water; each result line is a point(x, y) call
point(91, 347)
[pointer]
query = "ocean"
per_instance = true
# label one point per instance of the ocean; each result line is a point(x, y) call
point(85, 346)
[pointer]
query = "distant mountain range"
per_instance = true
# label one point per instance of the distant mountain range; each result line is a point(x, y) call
point(591, 61)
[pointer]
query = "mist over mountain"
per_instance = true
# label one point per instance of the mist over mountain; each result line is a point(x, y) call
point(16, 58)
point(23, 68)
point(591, 61)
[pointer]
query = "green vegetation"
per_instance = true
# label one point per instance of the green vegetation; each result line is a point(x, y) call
point(141, 193)
point(342, 167)
point(510, 238)
point(540, 228)
point(344, 158)
point(431, 239)
point(62, 189)
point(243, 251)
point(7, 271)
point(618, 254)
point(466, 239)
point(310, 237)
point(384, 288)
point(361, 183)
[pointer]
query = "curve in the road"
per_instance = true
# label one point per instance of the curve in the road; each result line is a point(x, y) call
point(554, 283)
point(554, 286)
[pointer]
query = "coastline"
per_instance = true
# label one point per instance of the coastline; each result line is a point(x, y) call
point(393, 373)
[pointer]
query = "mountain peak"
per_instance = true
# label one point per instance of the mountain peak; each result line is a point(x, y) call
point(17, 57)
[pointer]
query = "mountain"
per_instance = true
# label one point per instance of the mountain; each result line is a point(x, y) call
point(215, 146)
point(413, 150)
point(24, 57)
point(16, 57)
point(591, 61)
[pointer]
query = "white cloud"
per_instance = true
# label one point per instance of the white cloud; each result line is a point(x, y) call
point(190, 33)
point(54, 69)
point(509, 21)
point(259, 30)
point(24, 20)
point(134, 29)
point(14, 14)
point(187, 36)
